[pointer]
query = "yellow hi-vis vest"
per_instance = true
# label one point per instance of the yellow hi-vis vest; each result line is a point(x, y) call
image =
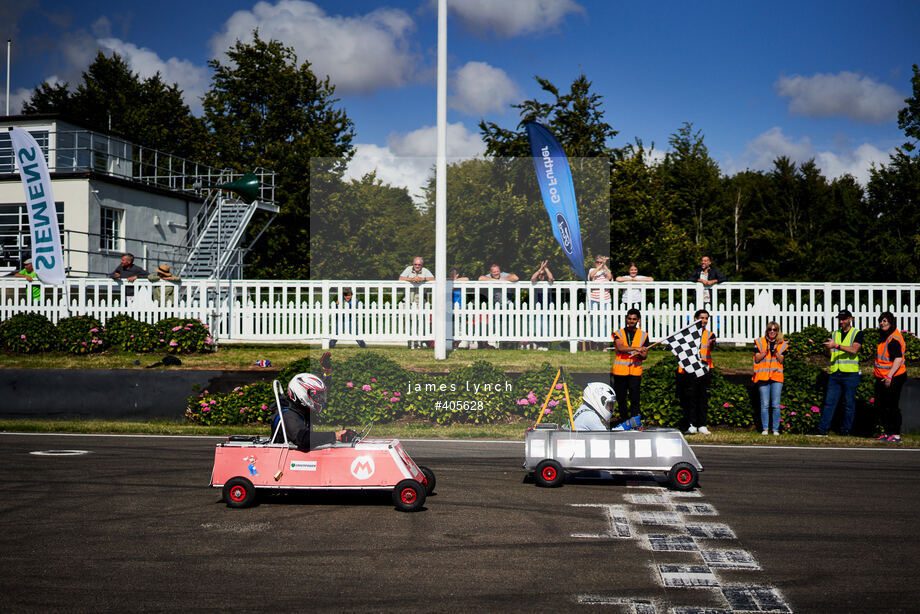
point(624, 364)
point(844, 361)
point(768, 369)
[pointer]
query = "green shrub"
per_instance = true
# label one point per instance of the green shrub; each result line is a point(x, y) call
point(28, 333)
point(82, 335)
point(244, 405)
point(531, 389)
point(126, 333)
point(183, 336)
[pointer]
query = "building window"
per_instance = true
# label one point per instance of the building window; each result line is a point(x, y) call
point(110, 231)
point(15, 234)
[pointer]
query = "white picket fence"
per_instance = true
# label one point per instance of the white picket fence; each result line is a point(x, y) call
point(393, 312)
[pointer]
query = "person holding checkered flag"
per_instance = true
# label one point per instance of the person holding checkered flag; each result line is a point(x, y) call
point(692, 345)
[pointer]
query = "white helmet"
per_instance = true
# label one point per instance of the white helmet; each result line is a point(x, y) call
point(308, 391)
point(601, 398)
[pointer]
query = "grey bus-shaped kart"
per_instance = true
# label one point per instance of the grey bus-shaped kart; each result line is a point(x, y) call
point(550, 452)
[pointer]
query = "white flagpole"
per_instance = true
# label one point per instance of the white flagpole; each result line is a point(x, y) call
point(440, 225)
point(9, 46)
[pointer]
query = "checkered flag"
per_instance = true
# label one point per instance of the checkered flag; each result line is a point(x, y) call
point(685, 344)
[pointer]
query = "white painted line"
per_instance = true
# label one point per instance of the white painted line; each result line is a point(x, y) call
point(684, 493)
point(59, 452)
point(729, 559)
point(672, 543)
point(660, 518)
point(754, 599)
point(647, 499)
point(710, 531)
point(639, 606)
point(617, 523)
point(687, 576)
point(695, 509)
point(833, 448)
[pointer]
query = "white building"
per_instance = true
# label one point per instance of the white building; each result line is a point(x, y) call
point(113, 197)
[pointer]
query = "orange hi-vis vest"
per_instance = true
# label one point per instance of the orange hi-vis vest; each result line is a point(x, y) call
point(768, 369)
point(705, 352)
point(624, 364)
point(883, 361)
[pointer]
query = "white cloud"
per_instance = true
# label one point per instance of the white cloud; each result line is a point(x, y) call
point(513, 17)
point(361, 54)
point(17, 97)
point(479, 88)
point(408, 159)
point(192, 80)
point(765, 148)
point(844, 94)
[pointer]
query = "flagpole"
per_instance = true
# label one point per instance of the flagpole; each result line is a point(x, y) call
point(440, 226)
point(9, 46)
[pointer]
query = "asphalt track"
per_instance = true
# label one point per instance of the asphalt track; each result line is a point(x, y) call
point(132, 526)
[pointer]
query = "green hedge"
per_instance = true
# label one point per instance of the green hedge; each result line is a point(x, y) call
point(28, 333)
point(82, 335)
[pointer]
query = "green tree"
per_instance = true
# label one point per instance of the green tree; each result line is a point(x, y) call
point(265, 109)
point(113, 99)
point(691, 184)
point(894, 202)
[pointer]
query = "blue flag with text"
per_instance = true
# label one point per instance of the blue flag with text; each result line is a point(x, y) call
point(555, 179)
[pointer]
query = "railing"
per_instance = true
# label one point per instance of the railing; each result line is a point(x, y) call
point(393, 312)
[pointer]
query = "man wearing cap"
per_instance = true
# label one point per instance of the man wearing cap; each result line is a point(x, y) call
point(29, 273)
point(844, 374)
point(164, 274)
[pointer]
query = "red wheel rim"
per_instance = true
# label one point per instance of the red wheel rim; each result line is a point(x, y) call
point(408, 495)
point(237, 493)
point(684, 476)
point(549, 474)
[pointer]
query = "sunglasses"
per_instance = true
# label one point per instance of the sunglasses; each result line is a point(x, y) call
point(772, 330)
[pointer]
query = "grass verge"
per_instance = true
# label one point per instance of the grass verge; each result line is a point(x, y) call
point(510, 432)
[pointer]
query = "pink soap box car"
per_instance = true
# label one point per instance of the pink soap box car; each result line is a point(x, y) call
point(245, 465)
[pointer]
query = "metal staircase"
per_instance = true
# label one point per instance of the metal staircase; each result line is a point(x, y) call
point(214, 237)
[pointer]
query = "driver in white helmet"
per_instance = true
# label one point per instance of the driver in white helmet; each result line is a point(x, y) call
point(307, 397)
point(597, 407)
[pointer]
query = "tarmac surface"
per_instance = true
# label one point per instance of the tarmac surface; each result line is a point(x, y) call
point(130, 524)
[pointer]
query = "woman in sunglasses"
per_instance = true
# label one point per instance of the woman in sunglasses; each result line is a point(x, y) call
point(768, 375)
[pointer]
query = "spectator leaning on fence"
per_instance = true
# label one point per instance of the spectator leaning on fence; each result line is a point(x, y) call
point(417, 275)
point(28, 272)
point(633, 296)
point(890, 375)
point(346, 320)
point(164, 274)
point(844, 374)
point(768, 375)
point(693, 391)
point(631, 345)
point(707, 275)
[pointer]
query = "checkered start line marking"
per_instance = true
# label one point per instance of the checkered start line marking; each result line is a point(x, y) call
point(623, 523)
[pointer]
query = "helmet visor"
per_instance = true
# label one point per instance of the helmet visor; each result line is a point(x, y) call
point(319, 399)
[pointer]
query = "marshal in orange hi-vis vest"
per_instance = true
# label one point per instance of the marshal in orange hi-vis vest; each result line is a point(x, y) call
point(769, 369)
point(705, 351)
point(625, 364)
point(883, 361)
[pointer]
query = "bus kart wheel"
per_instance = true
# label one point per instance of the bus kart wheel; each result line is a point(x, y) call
point(683, 476)
point(549, 474)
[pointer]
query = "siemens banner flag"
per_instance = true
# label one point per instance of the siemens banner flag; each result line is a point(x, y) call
point(558, 192)
point(47, 257)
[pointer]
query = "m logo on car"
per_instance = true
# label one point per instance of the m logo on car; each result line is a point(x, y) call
point(362, 467)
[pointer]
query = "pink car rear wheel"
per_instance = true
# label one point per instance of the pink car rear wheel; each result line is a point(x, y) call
point(239, 492)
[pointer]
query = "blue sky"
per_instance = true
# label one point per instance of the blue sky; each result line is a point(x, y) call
point(820, 79)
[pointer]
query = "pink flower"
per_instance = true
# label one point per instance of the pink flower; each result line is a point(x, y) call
point(553, 403)
point(213, 402)
point(265, 407)
point(521, 401)
point(162, 340)
point(173, 343)
point(814, 409)
point(177, 328)
point(373, 380)
point(782, 407)
point(23, 337)
point(94, 330)
point(792, 413)
point(84, 342)
point(366, 388)
point(132, 336)
point(547, 412)
point(242, 410)
point(727, 405)
point(399, 394)
point(206, 409)
point(558, 386)
point(393, 399)
point(350, 384)
point(208, 340)
point(872, 400)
